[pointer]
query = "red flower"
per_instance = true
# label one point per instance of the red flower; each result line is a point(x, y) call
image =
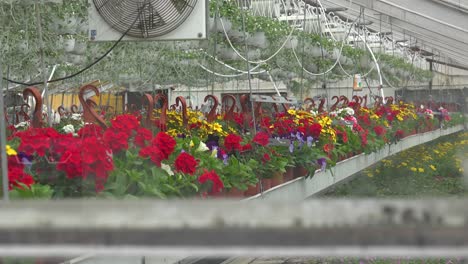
point(143, 135)
point(153, 153)
point(328, 148)
point(36, 140)
point(247, 147)
point(379, 130)
point(165, 143)
point(217, 185)
point(16, 174)
point(185, 163)
point(315, 130)
point(116, 140)
point(232, 142)
point(265, 158)
point(344, 135)
point(125, 123)
point(399, 134)
point(261, 138)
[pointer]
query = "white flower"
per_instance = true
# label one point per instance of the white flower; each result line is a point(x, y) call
point(69, 129)
point(349, 111)
point(314, 113)
point(76, 116)
point(56, 119)
point(202, 147)
point(24, 124)
point(167, 168)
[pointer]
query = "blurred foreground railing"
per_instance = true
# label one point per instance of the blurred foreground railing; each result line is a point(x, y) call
point(370, 228)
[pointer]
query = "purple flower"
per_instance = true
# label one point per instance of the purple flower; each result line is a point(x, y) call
point(212, 144)
point(309, 141)
point(225, 159)
point(323, 164)
point(181, 136)
point(25, 159)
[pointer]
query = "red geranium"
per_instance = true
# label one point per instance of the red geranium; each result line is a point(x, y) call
point(399, 134)
point(232, 142)
point(217, 185)
point(261, 138)
point(315, 130)
point(142, 137)
point(247, 147)
point(185, 163)
point(266, 157)
point(165, 143)
point(36, 140)
point(125, 123)
point(379, 130)
point(116, 140)
point(16, 174)
point(153, 153)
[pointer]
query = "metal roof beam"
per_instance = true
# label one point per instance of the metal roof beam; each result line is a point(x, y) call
point(455, 48)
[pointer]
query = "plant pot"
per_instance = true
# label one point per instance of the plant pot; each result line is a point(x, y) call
point(277, 179)
point(266, 184)
point(289, 174)
point(300, 171)
point(251, 191)
point(234, 193)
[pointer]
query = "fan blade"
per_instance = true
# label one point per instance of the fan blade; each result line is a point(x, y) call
point(180, 5)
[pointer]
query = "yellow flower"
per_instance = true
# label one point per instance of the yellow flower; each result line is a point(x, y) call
point(433, 167)
point(10, 151)
point(413, 169)
point(193, 120)
point(420, 169)
point(436, 152)
point(192, 144)
point(217, 127)
point(404, 164)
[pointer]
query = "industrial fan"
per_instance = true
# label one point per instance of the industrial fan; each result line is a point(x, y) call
point(109, 20)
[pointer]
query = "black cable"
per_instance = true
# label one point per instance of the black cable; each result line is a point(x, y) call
point(87, 67)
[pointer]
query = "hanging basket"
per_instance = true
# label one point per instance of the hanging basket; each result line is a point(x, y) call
point(217, 26)
point(313, 51)
point(292, 43)
point(254, 54)
point(345, 61)
point(76, 59)
point(263, 76)
point(69, 44)
point(311, 67)
point(236, 35)
point(227, 54)
point(258, 39)
point(79, 48)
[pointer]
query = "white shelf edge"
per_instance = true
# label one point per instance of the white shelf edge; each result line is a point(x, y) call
point(300, 189)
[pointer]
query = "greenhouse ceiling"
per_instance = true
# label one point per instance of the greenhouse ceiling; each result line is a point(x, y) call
point(439, 27)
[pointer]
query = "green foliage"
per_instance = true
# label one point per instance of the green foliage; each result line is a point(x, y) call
point(35, 191)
